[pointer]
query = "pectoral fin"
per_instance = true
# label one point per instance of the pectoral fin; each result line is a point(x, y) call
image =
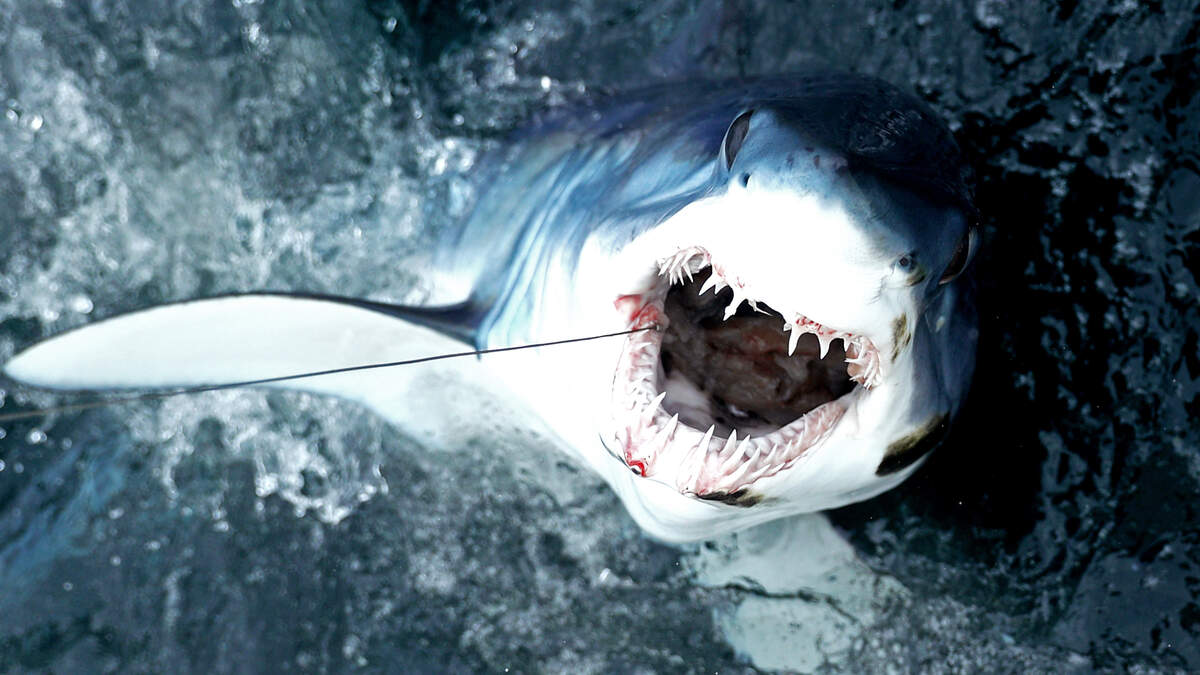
point(239, 338)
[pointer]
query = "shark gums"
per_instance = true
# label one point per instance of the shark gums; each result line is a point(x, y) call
point(795, 246)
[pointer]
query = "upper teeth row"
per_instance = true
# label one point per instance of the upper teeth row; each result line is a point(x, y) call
point(860, 352)
point(687, 262)
point(798, 325)
point(684, 263)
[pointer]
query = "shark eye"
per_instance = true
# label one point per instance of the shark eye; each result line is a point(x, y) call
point(962, 255)
point(906, 262)
point(735, 136)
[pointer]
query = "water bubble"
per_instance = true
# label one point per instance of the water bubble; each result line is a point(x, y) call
point(115, 561)
point(986, 14)
point(81, 304)
point(265, 484)
point(35, 122)
point(255, 36)
point(389, 24)
point(2, 465)
point(36, 436)
point(68, 586)
point(545, 83)
point(351, 646)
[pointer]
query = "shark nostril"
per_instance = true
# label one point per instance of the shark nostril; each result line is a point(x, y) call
point(744, 179)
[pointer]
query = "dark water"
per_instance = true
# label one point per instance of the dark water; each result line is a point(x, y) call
point(150, 153)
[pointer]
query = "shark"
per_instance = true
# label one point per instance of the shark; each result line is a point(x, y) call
point(782, 264)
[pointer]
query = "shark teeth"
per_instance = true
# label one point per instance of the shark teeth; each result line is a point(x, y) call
point(861, 354)
point(864, 366)
point(793, 338)
point(714, 281)
point(707, 437)
point(704, 464)
point(824, 340)
point(683, 264)
point(732, 309)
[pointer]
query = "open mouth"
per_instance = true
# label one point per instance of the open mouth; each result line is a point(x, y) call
point(728, 391)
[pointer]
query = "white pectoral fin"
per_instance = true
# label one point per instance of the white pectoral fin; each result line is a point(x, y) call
point(235, 339)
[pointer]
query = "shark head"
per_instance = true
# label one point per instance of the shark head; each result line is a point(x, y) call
point(812, 329)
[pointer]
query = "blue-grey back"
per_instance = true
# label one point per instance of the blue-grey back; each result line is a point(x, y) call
point(612, 167)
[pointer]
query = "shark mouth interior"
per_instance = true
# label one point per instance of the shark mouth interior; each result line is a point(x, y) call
point(728, 391)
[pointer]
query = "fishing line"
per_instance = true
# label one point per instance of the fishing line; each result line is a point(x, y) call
point(153, 395)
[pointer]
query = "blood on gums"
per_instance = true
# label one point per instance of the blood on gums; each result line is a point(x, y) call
point(636, 465)
point(628, 304)
point(649, 316)
point(640, 315)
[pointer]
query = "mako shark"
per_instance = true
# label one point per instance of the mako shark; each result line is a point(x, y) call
point(794, 246)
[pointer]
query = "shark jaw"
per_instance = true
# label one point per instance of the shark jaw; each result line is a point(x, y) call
point(728, 391)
